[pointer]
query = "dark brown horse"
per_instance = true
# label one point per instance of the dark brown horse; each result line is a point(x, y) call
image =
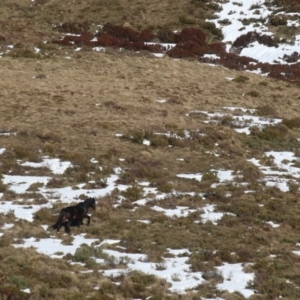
point(73, 215)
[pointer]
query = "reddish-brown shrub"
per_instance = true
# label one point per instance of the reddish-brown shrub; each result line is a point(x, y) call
point(117, 31)
point(191, 34)
point(105, 40)
point(147, 35)
point(166, 36)
point(216, 48)
point(84, 39)
point(282, 72)
point(190, 43)
point(62, 42)
point(195, 48)
point(233, 61)
point(250, 37)
point(266, 40)
point(86, 36)
point(130, 45)
point(244, 40)
point(136, 46)
point(180, 53)
point(292, 58)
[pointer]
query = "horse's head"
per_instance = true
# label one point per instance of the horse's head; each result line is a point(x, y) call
point(92, 203)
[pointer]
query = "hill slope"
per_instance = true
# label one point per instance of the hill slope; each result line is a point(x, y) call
point(194, 166)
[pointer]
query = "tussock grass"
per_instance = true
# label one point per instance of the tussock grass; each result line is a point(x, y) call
point(49, 21)
point(72, 109)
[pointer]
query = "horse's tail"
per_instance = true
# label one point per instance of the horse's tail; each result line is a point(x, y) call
point(54, 226)
point(60, 221)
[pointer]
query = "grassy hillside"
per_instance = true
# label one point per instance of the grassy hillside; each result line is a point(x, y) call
point(72, 106)
point(28, 22)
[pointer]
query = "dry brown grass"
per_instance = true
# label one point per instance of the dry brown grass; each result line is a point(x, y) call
point(16, 23)
point(75, 124)
point(73, 109)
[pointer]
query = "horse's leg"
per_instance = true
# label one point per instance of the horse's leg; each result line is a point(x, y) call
point(67, 226)
point(85, 217)
point(58, 227)
point(89, 219)
point(79, 222)
point(60, 221)
point(54, 226)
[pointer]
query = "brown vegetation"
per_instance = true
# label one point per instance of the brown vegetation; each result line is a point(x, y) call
point(79, 106)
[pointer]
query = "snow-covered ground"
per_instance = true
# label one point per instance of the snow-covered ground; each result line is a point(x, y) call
point(231, 20)
point(175, 270)
point(236, 11)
